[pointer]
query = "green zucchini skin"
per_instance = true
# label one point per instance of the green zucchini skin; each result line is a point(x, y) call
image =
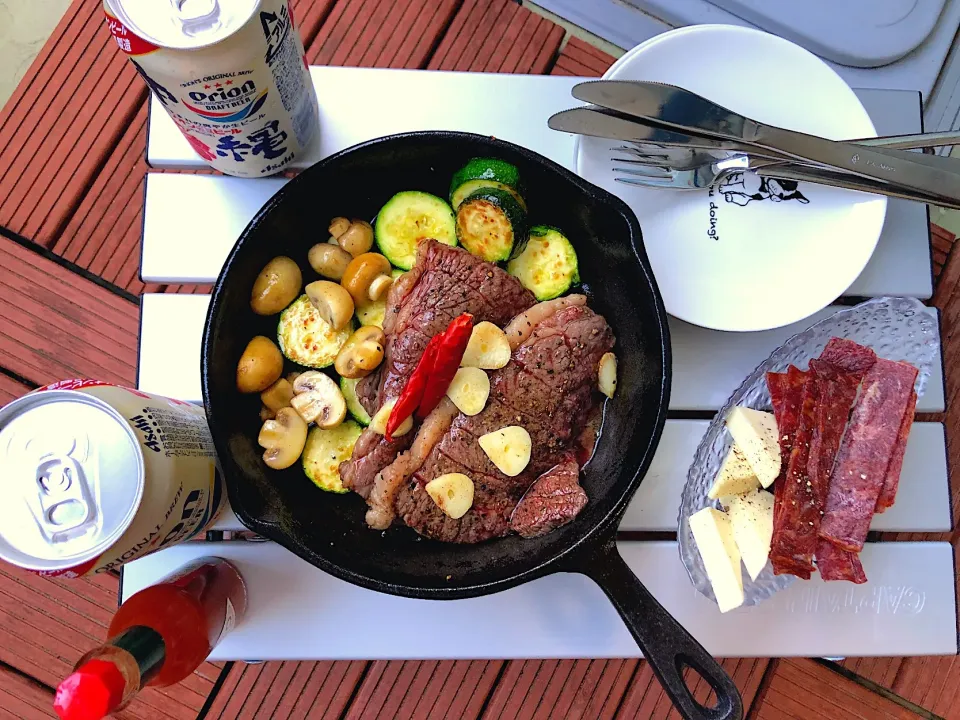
point(349, 389)
point(485, 172)
point(548, 266)
point(408, 217)
point(492, 225)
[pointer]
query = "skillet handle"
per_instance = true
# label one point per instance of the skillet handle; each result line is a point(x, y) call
point(666, 645)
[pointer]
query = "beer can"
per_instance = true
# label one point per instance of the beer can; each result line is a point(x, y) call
point(96, 475)
point(231, 74)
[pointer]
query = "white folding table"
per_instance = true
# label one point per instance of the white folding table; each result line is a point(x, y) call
point(296, 611)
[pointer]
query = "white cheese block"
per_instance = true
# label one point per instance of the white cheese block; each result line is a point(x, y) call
point(755, 433)
point(736, 477)
point(752, 519)
point(713, 533)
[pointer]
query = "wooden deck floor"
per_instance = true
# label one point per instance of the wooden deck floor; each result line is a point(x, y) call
point(71, 193)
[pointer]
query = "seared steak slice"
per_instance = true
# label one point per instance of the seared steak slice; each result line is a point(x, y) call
point(444, 283)
point(548, 388)
point(554, 499)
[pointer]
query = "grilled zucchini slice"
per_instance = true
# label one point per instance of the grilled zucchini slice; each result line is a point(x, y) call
point(408, 217)
point(491, 224)
point(306, 338)
point(349, 389)
point(325, 450)
point(547, 267)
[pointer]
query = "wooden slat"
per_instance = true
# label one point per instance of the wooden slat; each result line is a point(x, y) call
point(582, 59)
point(23, 697)
point(483, 31)
point(424, 689)
point(546, 689)
point(587, 55)
point(882, 671)
point(371, 33)
point(645, 697)
point(286, 691)
point(55, 324)
point(806, 689)
point(932, 683)
point(105, 230)
point(11, 389)
point(59, 141)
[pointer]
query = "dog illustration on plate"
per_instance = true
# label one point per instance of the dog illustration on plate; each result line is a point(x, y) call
point(742, 188)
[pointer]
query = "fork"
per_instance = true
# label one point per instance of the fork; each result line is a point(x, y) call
point(655, 170)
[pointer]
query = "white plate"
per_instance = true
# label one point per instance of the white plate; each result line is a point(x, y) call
point(748, 256)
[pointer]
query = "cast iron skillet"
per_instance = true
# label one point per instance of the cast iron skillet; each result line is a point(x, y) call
point(329, 531)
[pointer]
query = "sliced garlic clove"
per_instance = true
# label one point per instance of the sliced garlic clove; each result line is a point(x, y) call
point(508, 449)
point(453, 493)
point(469, 390)
point(488, 347)
point(607, 374)
point(379, 421)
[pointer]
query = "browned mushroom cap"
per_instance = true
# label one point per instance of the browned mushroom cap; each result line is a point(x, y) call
point(338, 226)
point(283, 439)
point(332, 301)
point(358, 238)
point(329, 260)
point(362, 277)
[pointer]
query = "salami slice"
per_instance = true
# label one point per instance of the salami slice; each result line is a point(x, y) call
point(892, 480)
point(837, 390)
point(865, 453)
point(836, 564)
point(848, 355)
point(795, 526)
point(786, 390)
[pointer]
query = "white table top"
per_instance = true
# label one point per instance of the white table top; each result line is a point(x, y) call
point(907, 607)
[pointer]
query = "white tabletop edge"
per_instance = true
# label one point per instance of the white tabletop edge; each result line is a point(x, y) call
point(907, 608)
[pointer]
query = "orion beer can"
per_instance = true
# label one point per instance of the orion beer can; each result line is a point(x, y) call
point(231, 74)
point(96, 475)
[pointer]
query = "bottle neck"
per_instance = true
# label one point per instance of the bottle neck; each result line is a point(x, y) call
point(145, 646)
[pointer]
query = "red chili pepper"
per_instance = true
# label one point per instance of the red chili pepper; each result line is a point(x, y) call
point(450, 351)
point(412, 393)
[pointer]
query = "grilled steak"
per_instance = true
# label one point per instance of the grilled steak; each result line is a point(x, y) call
point(554, 499)
point(548, 388)
point(444, 283)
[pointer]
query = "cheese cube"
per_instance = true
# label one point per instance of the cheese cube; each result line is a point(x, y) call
point(752, 519)
point(713, 533)
point(736, 477)
point(755, 433)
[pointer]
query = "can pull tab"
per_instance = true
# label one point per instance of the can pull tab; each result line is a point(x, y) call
point(197, 16)
point(63, 504)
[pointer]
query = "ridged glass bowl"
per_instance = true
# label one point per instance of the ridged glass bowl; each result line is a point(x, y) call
point(896, 328)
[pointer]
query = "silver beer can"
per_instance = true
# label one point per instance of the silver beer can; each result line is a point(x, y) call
point(96, 475)
point(230, 73)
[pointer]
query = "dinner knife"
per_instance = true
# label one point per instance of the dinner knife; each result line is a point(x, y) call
point(688, 112)
point(601, 122)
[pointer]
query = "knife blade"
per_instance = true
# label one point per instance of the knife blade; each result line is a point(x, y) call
point(691, 113)
point(599, 122)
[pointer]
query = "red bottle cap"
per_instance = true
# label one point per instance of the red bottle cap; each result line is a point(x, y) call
point(91, 692)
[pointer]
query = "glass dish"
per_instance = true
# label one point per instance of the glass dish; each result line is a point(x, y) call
point(896, 328)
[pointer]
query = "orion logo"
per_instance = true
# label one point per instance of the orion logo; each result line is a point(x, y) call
point(221, 93)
